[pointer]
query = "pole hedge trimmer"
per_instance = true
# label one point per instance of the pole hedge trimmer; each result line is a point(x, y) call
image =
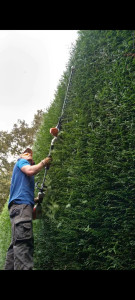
point(37, 212)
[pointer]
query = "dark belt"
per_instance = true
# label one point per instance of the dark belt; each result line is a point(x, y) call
point(11, 203)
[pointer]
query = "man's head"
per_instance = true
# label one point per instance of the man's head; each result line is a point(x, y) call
point(28, 151)
point(28, 154)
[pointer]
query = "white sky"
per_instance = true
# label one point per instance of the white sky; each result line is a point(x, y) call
point(31, 65)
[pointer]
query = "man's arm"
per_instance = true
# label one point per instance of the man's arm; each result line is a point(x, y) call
point(33, 170)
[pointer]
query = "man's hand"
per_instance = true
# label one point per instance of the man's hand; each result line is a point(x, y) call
point(47, 161)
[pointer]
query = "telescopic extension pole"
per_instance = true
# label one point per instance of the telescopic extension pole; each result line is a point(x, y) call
point(37, 212)
point(54, 131)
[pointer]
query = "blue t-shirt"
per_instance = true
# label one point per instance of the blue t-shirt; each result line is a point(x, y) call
point(22, 186)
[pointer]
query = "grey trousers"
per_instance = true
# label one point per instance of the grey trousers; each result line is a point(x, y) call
point(20, 251)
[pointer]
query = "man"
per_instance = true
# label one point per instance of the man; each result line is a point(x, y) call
point(21, 202)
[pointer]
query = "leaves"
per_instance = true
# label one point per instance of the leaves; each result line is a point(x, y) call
point(92, 176)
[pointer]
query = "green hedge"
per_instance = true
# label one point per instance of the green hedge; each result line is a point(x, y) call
point(89, 207)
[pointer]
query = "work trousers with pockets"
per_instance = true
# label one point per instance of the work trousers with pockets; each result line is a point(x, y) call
point(20, 251)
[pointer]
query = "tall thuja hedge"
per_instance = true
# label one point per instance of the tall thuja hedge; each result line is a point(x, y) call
point(89, 209)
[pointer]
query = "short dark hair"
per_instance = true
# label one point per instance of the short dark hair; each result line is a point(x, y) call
point(28, 150)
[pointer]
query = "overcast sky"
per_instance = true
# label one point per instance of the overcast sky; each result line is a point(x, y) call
point(31, 65)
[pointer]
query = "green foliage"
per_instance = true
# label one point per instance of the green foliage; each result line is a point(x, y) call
point(89, 207)
point(5, 235)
